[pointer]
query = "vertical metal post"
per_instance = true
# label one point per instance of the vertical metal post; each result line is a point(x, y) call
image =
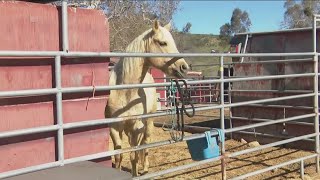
point(302, 169)
point(245, 47)
point(65, 36)
point(315, 85)
point(223, 161)
point(65, 46)
point(210, 93)
point(229, 98)
point(59, 109)
point(229, 87)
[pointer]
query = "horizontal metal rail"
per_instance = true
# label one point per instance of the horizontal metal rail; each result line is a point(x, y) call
point(120, 151)
point(254, 78)
point(128, 150)
point(275, 61)
point(31, 92)
point(118, 119)
point(111, 120)
point(270, 135)
point(38, 92)
point(281, 106)
point(114, 54)
point(198, 163)
point(271, 91)
point(274, 167)
point(257, 62)
point(200, 129)
point(203, 96)
point(134, 148)
point(27, 131)
point(97, 156)
point(146, 85)
point(269, 100)
point(110, 153)
point(286, 141)
point(178, 168)
point(240, 128)
point(59, 91)
point(267, 120)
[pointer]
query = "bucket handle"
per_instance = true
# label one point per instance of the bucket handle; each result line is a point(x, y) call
point(220, 134)
point(208, 136)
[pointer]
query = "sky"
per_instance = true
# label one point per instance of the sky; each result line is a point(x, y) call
point(207, 17)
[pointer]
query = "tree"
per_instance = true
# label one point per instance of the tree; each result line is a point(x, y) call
point(136, 18)
point(299, 14)
point(225, 30)
point(129, 18)
point(186, 28)
point(239, 22)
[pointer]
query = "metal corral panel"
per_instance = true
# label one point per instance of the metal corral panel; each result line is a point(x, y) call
point(37, 27)
point(273, 42)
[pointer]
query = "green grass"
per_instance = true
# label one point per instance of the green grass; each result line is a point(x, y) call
point(201, 43)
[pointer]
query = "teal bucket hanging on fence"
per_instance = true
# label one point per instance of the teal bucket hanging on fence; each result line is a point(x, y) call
point(206, 147)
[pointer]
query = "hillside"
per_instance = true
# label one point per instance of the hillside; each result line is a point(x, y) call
point(201, 43)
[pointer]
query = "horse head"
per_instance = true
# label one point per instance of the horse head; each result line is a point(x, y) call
point(161, 41)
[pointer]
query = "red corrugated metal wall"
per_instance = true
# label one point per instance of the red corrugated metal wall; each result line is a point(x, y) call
point(37, 27)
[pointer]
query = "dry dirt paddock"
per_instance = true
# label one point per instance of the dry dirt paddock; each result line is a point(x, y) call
point(165, 157)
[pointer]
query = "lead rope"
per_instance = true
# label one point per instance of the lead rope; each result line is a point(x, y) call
point(175, 112)
point(93, 86)
point(171, 113)
point(185, 99)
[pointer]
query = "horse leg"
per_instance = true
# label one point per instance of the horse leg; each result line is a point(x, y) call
point(116, 136)
point(146, 140)
point(133, 155)
point(135, 139)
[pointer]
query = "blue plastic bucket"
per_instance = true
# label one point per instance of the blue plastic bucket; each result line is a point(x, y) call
point(207, 147)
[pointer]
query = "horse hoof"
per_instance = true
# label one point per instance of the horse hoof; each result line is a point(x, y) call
point(144, 172)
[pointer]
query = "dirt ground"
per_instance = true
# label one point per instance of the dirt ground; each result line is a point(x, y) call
point(173, 155)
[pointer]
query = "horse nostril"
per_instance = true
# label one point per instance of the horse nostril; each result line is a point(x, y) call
point(183, 68)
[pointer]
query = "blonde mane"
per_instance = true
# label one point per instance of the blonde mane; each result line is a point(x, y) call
point(126, 69)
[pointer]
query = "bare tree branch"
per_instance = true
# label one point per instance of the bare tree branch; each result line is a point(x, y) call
point(129, 18)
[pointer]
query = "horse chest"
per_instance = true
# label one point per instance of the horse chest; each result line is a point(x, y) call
point(134, 105)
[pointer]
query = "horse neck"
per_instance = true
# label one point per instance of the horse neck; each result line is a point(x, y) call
point(134, 69)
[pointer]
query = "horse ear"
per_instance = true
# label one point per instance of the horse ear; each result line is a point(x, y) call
point(168, 26)
point(155, 26)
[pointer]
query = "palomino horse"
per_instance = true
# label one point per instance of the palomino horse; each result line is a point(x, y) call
point(129, 102)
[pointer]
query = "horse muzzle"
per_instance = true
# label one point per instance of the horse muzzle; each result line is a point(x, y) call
point(182, 69)
point(178, 67)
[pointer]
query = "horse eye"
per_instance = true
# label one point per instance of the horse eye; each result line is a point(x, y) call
point(162, 43)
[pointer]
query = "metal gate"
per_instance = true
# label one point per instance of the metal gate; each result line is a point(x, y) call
point(61, 126)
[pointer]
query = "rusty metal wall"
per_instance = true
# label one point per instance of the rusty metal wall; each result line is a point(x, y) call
point(37, 27)
point(277, 42)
